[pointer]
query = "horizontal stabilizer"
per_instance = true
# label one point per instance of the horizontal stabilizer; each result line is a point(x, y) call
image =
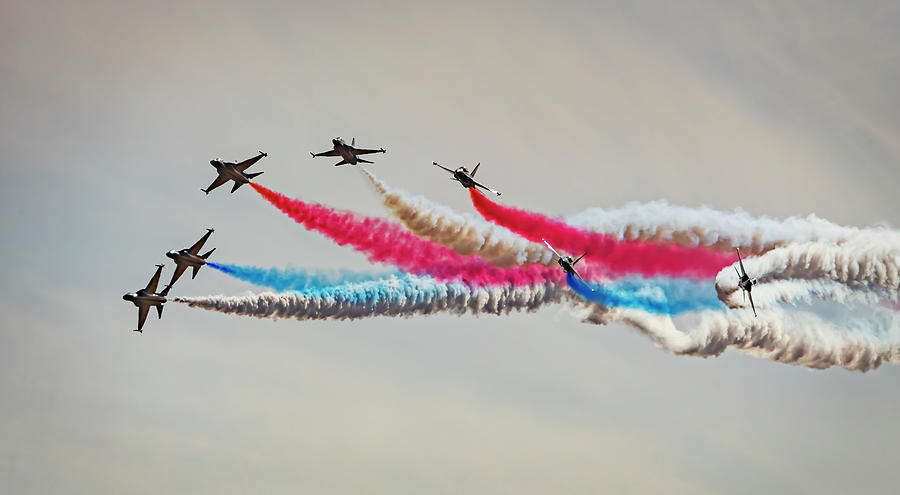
point(204, 256)
point(250, 176)
point(159, 310)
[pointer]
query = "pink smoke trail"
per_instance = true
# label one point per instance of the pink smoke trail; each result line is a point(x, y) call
point(605, 254)
point(383, 241)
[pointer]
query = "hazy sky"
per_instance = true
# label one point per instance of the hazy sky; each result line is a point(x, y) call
point(110, 111)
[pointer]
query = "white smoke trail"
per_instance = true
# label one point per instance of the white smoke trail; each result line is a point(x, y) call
point(463, 233)
point(398, 297)
point(796, 337)
point(869, 262)
point(803, 292)
point(660, 221)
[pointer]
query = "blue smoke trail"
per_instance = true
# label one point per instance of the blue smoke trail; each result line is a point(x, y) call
point(654, 295)
point(297, 278)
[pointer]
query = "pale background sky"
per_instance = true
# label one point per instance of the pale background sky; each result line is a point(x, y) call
point(110, 111)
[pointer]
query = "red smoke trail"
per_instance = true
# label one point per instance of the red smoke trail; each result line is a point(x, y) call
point(606, 255)
point(383, 241)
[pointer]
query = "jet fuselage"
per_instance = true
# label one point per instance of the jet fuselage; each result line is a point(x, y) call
point(462, 175)
point(746, 283)
point(345, 151)
point(184, 256)
point(143, 297)
point(226, 169)
point(567, 265)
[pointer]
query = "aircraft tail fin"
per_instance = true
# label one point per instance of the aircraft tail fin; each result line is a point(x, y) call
point(475, 170)
point(353, 142)
point(204, 256)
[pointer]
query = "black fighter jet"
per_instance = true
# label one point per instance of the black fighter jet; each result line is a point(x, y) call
point(567, 263)
point(347, 152)
point(745, 282)
point(467, 180)
point(190, 257)
point(147, 297)
point(233, 171)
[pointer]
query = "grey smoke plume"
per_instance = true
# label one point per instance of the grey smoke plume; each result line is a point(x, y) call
point(403, 296)
point(802, 338)
point(660, 221)
point(869, 263)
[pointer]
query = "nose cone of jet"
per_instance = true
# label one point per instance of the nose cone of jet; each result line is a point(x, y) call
point(214, 163)
point(128, 297)
point(171, 254)
point(336, 141)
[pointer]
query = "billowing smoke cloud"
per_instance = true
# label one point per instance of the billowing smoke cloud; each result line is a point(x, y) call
point(285, 279)
point(659, 221)
point(656, 295)
point(615, 257)
point(461, 232)
point(383, 241)
point(869, 262)
point(855, 342)
point(399, 296)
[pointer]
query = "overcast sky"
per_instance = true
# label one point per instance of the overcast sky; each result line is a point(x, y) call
point(110, 112)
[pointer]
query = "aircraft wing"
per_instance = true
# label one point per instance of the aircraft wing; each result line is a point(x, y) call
point(750, 295)
point(143, 310)
point(582, 280)
point(365, 151)
point(216, 183)
point(199, 244)
point(327, 153)
point(179, 269)
point(436, 164)
point(151, 287)
point(486, 188)
point(244, 165)
point(741, 262)
point(551, 248)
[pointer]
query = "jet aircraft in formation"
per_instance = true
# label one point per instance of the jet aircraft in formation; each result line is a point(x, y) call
point(147, 297)
point(567, 263)
point(745, 282)
point(348, 153)
point(233, 171)
point(465, 178)
point(190, 257)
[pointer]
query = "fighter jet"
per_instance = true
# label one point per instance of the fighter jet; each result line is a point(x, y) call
point(147, 297)
point(463, 176)
point(745, 282)
point(190, 257)
point(347, 152)
point(233, 171)
point(567, 263)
